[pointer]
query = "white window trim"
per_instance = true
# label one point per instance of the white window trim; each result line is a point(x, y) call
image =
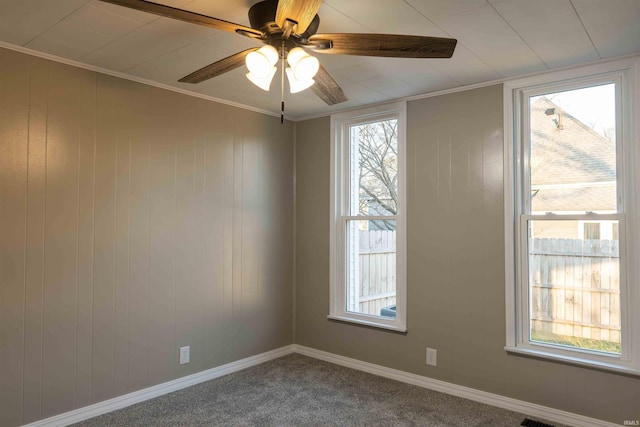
point(337, 290)
point(629, 363)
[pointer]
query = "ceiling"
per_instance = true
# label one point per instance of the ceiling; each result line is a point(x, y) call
point(497, 39)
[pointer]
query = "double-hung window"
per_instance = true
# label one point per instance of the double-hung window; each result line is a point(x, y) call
point(572, 218)
point(368, 284)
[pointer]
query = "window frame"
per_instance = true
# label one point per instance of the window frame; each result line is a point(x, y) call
point(339, 215)
point(625, 73)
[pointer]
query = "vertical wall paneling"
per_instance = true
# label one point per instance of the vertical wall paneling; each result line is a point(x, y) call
point(250, 212)
point(263, 298)
point(237, 230)
point(139, 234)
point(198, 316)
point(185, 228)
point(104, 264)
point(213, 209)
point(227, 229)
point(162, 219)
point(38, 77)
point(133, 221)
point(61, 240)
point(219, 190)
point(14, 126)
point(122, 239)
point(85, 188)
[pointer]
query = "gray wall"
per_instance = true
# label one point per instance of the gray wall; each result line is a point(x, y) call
point(456, 300)
point(133, 221)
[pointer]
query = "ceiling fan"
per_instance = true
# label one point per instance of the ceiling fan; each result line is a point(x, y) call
point(287, 26)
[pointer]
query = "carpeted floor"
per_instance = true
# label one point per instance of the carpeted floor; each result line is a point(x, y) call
point(299, 391)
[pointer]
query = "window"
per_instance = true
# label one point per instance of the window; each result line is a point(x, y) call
point(592, 231)
point(368, 217)
point(607, 230)
point(571, 214)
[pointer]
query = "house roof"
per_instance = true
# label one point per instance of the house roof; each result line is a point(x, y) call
point(573, 168)
point(584, 199)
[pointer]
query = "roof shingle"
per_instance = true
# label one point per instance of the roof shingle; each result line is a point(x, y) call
point(569, 155)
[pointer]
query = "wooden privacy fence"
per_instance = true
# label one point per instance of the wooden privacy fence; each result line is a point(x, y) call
point(575, 287)
point(377, 260)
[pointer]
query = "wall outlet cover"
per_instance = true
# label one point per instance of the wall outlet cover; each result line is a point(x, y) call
point(184, 354)
point(432, 357)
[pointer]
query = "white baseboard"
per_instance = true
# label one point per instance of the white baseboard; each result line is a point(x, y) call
point(158, 390)
point(530, 409)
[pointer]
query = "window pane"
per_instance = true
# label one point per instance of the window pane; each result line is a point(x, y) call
point(573, 151)
point(371, 268)
point(374, 168)
point(574, 288)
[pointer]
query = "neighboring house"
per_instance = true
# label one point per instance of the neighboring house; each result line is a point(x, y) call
point(572, 170)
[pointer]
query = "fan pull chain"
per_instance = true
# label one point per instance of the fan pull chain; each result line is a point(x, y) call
point(282, 55)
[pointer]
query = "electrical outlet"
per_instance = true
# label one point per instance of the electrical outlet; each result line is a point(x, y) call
point(432, 357)
point(184, 354)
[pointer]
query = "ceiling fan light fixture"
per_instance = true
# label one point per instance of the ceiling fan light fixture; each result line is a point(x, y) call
point(286, 24)
point(263, 83)
point(304, 66)
point(296, 85)
point(261, 63)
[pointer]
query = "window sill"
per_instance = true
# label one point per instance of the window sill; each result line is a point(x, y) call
point(370, 323)
point(575, 360)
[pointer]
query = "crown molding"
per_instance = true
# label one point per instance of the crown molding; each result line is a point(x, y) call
point(124, 76)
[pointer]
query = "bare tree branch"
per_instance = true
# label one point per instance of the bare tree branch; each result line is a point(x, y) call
point(378, 170)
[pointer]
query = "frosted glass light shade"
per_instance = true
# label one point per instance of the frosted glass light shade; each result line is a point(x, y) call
point(263, 83)
point(295, 55)
point(304, 66)
point(296, 85)
point(261, 62)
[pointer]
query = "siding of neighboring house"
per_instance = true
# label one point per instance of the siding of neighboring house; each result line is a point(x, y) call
point(573, 168)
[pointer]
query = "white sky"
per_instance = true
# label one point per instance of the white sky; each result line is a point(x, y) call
point(593, 106)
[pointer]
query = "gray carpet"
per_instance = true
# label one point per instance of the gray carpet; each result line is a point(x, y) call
point(299, 391)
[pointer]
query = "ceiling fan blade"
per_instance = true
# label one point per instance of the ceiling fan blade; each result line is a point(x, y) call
point(387, 45)
point(300, 11)
point(184, 15)
point(220, 67)
point(327, 88)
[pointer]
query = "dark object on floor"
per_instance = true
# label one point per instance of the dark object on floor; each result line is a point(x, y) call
point(389, 311)
point(530, 423)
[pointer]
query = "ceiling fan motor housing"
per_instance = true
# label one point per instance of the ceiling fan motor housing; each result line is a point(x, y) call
point(262, 17)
